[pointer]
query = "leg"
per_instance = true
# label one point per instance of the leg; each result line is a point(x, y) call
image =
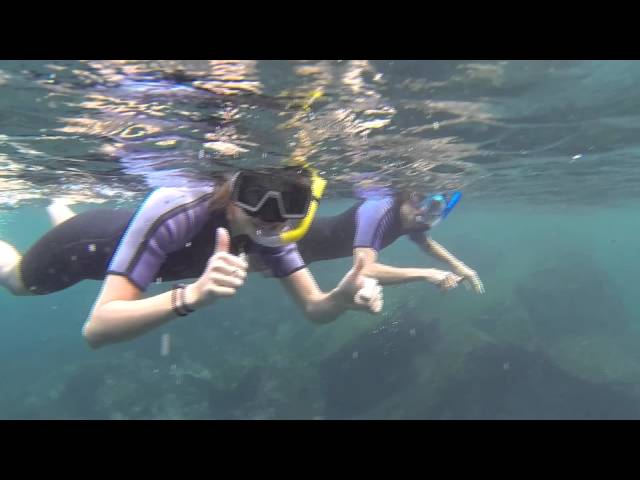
point(59, 212)
point(10, 260)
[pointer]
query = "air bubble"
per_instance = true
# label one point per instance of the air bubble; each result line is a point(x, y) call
point(165, 344)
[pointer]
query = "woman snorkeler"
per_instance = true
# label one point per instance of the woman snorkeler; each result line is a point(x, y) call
point(211, 234)
point(379, 219)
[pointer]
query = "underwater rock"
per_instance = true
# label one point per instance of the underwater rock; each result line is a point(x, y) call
point(500, 381)
point(507, 321)
point(266, 392)
point(125, 387)
point(223, 403)
point(81, 393)
point(377, 364)
point(490, 319)
point(570, 298)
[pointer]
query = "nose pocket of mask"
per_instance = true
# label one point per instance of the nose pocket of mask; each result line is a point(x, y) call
point(270, 212)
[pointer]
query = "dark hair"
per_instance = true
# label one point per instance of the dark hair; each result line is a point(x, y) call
point(408, 194)
point(222, 194)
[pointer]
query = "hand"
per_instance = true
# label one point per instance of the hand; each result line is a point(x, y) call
point(360, 292)
point(225, 273)
point(470, 279)
point(443, 279)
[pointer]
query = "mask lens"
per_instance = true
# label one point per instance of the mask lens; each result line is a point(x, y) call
point(252, 196)
point(296, 200)
point(270, 212)
point(432, 208)
point(296, 192)
point(250, 189)
point(434, 205)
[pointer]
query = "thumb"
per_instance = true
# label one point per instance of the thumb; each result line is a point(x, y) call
point(352, 275)
point(222, 240)
point(358, 265)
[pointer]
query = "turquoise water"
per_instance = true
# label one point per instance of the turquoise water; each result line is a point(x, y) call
point(545, 153)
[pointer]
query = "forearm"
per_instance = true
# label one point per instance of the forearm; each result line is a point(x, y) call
point(120, 320)
point(437, 251)
point(324, 307)
point(388, 275)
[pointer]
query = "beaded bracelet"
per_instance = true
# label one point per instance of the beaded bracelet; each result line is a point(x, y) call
point(174, 300)
point(183, 298)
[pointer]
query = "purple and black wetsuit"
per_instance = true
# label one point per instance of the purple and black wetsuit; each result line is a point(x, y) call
point(170, 237)
point(372, 223)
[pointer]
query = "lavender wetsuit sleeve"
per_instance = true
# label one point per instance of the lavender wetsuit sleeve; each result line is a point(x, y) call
point(166, 221)
point(283, 261)
point(373, 218)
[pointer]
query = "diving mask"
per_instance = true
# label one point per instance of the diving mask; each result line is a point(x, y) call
point(435, 208)
point(287, 195)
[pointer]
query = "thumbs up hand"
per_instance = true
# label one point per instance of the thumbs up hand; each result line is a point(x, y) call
point(363, 293)
point(224, 274)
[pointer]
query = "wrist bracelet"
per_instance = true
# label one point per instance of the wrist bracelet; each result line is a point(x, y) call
point(176, 305)
point(183, 298)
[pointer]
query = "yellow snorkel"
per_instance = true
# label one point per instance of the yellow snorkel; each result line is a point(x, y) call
point(297, 227)
point(318, 185)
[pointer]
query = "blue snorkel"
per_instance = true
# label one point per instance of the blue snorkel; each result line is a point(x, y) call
point(455, 198)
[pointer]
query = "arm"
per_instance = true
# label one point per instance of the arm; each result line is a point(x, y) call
point(318, 306)
point(433, 248)
point(120, 314)
point(354, 292)
point(388, 275)
point(437, 251)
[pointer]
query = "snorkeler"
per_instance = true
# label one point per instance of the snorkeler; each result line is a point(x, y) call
point(377, 221)
point(258, 214)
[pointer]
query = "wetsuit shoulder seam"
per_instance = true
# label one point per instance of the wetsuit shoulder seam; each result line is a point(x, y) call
point(155, 226)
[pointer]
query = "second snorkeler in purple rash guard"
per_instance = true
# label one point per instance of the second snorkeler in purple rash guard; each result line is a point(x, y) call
point(368, 224)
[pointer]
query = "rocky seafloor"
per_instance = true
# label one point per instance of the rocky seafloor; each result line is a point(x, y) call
point(558, 344)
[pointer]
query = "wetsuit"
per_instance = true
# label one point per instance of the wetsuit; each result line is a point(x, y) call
point(373, 223)
point(170, 237)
